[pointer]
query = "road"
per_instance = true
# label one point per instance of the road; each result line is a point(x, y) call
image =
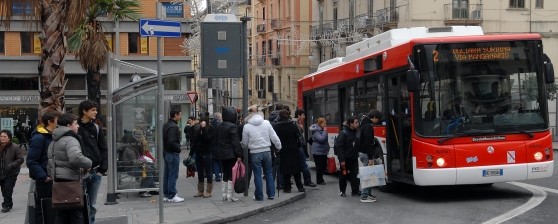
point(525, 202)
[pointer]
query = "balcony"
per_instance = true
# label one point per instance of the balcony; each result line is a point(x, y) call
point(387, 17)
point(463, 15)
point(276, 60)
point(361, 22)
point(276, 24)
point(261, 28)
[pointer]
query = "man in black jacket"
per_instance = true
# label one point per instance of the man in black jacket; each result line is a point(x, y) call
point(94, 148)
point(369, 146)
point(171, 145)
point(348, 157)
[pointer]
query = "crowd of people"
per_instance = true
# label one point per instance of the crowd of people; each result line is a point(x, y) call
point(66, 147)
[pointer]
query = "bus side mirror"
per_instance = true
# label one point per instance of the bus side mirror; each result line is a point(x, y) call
point(549, 72)
point(413, 80)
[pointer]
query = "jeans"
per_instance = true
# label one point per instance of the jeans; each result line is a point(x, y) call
point(64, 216)
point(172, 161)
point(217, 167)
point(92, 184)
point(262, 160)
point(304, 166)
point(204, 167)
point(7, 186)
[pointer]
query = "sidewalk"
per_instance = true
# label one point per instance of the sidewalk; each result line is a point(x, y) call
point(133, 209)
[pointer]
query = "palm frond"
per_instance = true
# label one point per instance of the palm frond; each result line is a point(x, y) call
point(75, 12)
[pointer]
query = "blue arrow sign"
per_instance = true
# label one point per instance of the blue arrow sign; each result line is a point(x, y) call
point(159, 28)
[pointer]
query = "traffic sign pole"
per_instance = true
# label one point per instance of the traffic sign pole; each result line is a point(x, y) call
point(160, 120)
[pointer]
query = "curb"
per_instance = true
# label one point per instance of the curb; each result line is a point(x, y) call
point(223, 218)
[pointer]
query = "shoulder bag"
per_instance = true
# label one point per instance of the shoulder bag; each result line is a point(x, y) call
point(66, 194)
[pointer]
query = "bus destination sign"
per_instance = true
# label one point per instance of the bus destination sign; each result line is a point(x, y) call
point(460, 53)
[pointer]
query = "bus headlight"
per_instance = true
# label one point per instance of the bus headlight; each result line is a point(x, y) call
point(441, 162)
point(538, 156)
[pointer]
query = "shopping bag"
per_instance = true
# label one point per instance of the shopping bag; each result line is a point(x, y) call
point(238, 172)
point(331, 166)
point(371, 176)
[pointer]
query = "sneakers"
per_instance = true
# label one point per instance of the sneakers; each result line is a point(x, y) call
point(176, 199)
point(165, 199)
point(342, 194)
point(368, 199)
point(145, 194)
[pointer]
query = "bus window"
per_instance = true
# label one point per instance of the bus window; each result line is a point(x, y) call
point(368, 96)
point(332, 106)
point(348, 102)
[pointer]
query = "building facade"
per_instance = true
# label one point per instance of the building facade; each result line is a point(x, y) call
point(20, 50)
point(338, 23)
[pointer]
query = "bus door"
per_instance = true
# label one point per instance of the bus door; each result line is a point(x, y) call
point(348, 103)
point(398, 126)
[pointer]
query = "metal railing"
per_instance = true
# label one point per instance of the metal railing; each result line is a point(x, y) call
point(468, 12)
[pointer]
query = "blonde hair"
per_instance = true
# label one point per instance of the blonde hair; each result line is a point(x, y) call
point(320, 121)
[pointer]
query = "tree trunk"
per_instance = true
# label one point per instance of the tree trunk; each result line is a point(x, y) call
point(94, 92)
point(51, 67)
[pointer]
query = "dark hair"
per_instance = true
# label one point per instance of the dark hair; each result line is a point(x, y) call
point(299, 112)
point(8, 133)
point(278, 106)
point(173, 113)
point(66, 119)
point(192, 118)
point(284, 114)
point(286, 107)
point(49, 115)
point(205, 118)
point(374, 114)
point(86, 105)
point(351, 119)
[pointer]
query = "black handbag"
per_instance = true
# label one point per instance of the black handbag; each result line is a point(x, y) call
point(239, 184)
point(66, 194)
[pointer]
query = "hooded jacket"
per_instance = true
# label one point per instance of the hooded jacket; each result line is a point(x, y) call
point(320, 143)
point(12, 158)
point(227, 136)
point(37, 159)
point(94, 145)
point(344, 148)
point(66, 147)
point(258, 134)
point(367, 140)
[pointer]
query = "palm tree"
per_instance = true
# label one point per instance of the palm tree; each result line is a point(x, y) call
point(55, 20)
point(88, 41)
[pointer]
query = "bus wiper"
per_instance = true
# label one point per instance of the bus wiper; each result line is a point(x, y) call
point(531, 135)
point(463, 134)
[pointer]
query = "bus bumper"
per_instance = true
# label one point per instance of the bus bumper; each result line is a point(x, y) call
point(482, 174)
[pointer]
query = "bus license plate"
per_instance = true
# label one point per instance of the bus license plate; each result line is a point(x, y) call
point(492, 172)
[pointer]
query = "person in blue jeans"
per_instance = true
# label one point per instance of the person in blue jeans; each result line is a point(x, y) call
point(95, 149)
point(257, 136)
point(171, 147)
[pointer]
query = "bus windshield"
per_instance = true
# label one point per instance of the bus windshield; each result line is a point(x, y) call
point(486, 87)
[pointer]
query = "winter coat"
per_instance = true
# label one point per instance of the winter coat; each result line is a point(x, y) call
point(368, 140)
point(227, 136)
point(37, 158)
point(11, 158)
point(344, 148)
point(171, 137)
point(273, 116)
point(258, 134)
point(287, 131)
point(214, 145)
point(204, 140)
point(94, 145)
point(320, 143)
point(65, 151)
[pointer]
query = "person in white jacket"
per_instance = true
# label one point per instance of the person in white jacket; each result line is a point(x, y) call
point(257, 136)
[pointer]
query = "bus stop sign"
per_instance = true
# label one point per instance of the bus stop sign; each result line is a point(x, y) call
point(221, 46)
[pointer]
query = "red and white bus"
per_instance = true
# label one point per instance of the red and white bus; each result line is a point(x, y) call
point(459, 107)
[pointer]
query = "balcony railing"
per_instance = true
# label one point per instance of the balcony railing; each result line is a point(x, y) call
point(386, 16)
point(276, 24)
point(469, 14)
point(260, 28)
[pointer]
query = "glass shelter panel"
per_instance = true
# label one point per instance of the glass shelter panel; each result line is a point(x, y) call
point(134, 132)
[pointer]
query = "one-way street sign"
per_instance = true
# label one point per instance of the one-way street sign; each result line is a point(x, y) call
point(159, 28)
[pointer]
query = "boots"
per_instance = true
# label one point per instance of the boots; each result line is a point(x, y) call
point(207, 193)
point(200, 190)
point(224, 186)
point(230, 193)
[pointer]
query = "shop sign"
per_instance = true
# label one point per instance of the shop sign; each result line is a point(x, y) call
point(19, 99)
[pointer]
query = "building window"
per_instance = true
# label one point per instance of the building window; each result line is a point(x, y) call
point(30, 43)
point(335, 15)
point(19, 83)
point(137, 44)
point(2, 49)
point(21, 8)
point(539, 4)
point(517, 3)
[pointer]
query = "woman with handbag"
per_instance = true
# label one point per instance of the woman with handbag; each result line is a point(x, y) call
point(11, 158)
point(320, 148)
point(67, 163)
